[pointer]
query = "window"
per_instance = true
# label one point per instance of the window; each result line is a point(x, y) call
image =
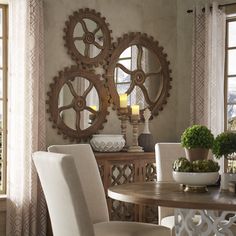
point(3, 94)
point(230, 74)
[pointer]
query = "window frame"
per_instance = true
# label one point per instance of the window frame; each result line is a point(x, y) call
point(4, 98)
point(227, 76)
point(116, 71)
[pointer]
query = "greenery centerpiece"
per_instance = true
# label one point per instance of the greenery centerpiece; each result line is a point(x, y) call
point(225, 145)
point(195, 175)
point(197, 140)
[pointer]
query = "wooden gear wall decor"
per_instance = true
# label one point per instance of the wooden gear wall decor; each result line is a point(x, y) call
point(88, 42)
point(87, 33)
point(77, 103)
point(139, 75)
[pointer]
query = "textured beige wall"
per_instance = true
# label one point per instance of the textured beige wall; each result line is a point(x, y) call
point(184, 52)
point(156, 18)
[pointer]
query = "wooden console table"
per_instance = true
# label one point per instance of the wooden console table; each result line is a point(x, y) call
point(121, 168)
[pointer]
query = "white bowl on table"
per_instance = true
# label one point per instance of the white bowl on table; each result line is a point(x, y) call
point(195, 180)
point(107, 142)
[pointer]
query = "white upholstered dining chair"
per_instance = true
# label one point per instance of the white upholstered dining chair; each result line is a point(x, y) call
point(66, 204)
point(81, 191)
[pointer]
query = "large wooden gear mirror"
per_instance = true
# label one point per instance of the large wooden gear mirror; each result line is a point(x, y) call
point(139, 68)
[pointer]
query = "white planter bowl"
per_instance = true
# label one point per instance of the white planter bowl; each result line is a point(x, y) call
point(107, 142)
point(195, 179)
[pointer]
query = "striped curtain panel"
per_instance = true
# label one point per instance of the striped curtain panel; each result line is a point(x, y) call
point(207, 83)
point(26, 206)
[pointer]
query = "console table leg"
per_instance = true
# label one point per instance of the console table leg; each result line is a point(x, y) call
point(209, 223)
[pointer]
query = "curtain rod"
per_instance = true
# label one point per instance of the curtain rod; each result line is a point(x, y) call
point(222, 5)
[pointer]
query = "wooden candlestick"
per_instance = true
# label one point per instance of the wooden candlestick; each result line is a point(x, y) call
point(135, 147)
point(123, 116)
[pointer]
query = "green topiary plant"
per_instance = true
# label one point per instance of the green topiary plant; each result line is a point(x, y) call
point(224, 144)
point(197, 136)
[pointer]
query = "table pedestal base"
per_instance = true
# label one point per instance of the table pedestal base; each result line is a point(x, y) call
point(211, 223)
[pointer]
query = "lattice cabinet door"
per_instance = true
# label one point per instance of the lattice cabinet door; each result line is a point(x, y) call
point(149, 214)
point(122, 172)
point(149, 171)
point(122, 168)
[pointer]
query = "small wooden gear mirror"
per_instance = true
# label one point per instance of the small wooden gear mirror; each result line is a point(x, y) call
point(139, 68)
point(78, 103)
point(87, 37)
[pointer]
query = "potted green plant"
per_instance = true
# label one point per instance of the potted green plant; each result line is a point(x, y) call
point(197, 140)
point(224, 145)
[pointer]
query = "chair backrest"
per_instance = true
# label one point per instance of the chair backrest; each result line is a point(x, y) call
point(64, 196)
point(89, 177)
point(166, 154)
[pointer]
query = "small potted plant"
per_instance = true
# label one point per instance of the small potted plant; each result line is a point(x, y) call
point(225, 145)
point(197, 140)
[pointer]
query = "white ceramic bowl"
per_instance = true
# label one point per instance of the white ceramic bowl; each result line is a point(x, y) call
point(195, 179)
point(107, 142)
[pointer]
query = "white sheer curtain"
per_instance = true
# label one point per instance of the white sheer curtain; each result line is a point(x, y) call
point(207, 92)
point(26, 207)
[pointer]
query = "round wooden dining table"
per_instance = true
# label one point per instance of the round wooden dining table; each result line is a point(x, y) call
point(216, 208)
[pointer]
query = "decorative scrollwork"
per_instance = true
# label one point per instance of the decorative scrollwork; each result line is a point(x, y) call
point(139, 76)
point(87, 37)
point(78, 103)
point(209, 223)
